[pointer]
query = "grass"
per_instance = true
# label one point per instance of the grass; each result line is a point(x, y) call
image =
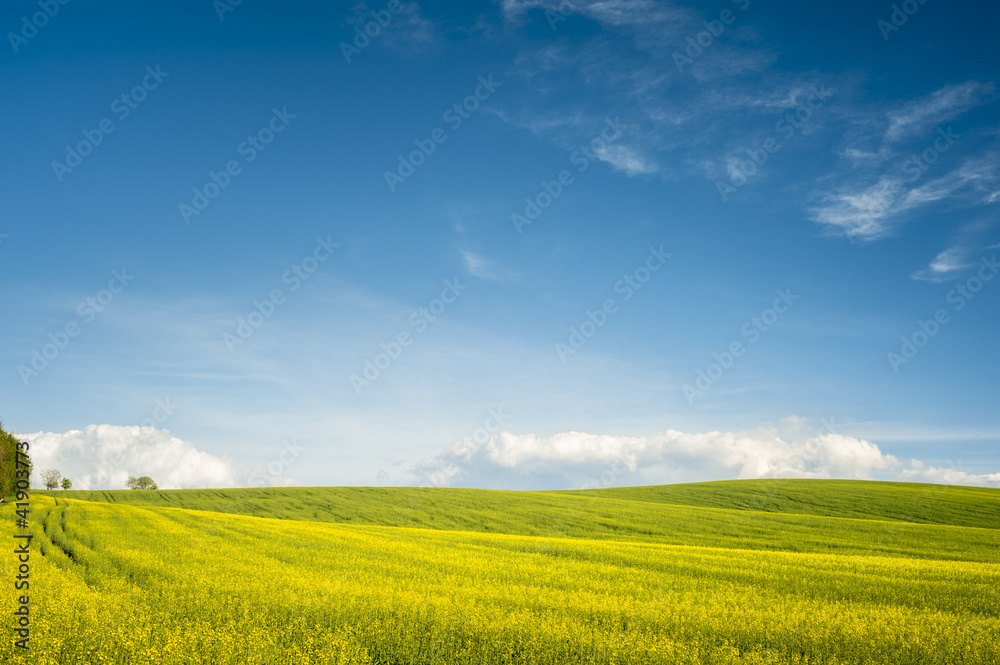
point(905, 502)
point(890, 519)
point(801, 571)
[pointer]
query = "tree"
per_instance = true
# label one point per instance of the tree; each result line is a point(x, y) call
point(67, 483)
point(8, 464)
point(141, 483)
point(51, 478)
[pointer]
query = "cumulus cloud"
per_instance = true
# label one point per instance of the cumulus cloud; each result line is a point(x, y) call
point(578, 459)
point(581, 460)
point(104, 456)
point(920, 472)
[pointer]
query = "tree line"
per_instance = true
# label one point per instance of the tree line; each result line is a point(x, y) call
point(51, 478)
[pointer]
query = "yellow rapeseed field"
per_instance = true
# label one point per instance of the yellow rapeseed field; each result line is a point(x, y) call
point(128, 584)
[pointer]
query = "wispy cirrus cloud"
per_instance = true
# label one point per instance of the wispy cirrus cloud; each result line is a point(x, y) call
point(486, 268)
point(961, 255)
point(626, 159)
point(871, 208)
point(865, 213)
point(409, 30)
point(893, 158)
point(921, 115)
point(948, 261)
point(626, 66)
point(610, 12)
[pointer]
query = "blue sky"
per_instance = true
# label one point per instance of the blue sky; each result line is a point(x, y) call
point(650, 234)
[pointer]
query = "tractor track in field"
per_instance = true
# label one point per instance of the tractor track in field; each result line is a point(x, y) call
point(55, 533)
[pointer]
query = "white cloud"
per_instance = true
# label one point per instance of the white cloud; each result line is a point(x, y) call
point(920, 472)
point(959, 256)
point(478, 266)
point(870, 207)
point(575, 459)
point(861, 157)
point(944, 265)
point(864, 213)
point(918, 116)
point(104, 456)
point(628, 160)
point(870, 212)
point(948, 260)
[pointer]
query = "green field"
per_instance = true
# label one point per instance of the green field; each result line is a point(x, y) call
point(768, 571)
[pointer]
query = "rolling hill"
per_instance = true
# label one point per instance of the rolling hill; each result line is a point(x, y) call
point(801, 571)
